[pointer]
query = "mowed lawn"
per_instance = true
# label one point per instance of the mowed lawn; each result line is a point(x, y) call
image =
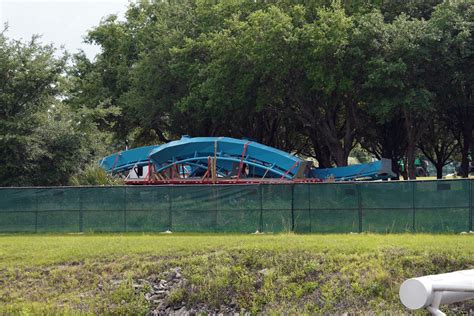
point(98, 273)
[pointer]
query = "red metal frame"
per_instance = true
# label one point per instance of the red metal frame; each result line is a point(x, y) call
point(116, 160)
point(241, 164)
point(208, 179)
point(221, 181)
point(288, 171)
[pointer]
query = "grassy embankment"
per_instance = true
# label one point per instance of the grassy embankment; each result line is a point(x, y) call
point(94, 274)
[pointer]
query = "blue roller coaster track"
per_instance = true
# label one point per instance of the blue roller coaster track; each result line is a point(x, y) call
point(227, 160)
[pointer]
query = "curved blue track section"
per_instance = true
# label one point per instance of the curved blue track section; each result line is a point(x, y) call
point(127, 159)
point(260, 160)
point(381, 169)
point(189, 157)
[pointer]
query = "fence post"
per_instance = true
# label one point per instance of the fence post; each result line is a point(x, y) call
point(309, 207)
point(413, 205)
point(170, 206)
point(359, 206)
point(36, 210)
point(216, 200)
point(125, 209)
point(471, 192)
point(292, 207)
point(260, 225)
point(81, 211)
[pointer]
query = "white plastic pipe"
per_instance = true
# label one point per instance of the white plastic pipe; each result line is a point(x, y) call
point(431, 291)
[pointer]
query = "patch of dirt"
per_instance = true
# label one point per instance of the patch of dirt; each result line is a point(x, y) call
point(160, 292)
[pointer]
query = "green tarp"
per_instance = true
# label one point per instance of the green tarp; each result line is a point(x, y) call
point(383, 207)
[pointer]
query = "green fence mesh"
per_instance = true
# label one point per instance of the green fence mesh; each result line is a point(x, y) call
point(383, 207)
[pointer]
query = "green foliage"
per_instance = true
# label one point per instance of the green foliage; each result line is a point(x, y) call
point(361, 154)
point(94, 175)
point(314, 78)
point(30, 80)
point(122, 300)
point(412, 8)
point(452, 50)
point(42, 140)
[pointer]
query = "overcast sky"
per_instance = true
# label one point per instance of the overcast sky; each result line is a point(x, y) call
point(61, 22)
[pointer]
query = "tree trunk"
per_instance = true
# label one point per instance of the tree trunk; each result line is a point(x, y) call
point(339, 151)
point(466, 143)
point(439, 171)
point(404, 172)
point(340, 157)
point(321, 153)
point(464, 169)
point(395, 169)
point(472, 148)
point(411, 169)
point(411, 147)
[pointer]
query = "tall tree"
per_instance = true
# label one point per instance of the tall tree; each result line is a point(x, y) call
point(398, 83)
point(384, 138)
point(438, 144)
point(309, 77)
point(328, 107)
point(244, 83)
point(42, 142)
point(452, 81)
point(29, 82)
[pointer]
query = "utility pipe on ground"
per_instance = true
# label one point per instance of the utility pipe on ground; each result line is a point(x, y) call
point(431, 291)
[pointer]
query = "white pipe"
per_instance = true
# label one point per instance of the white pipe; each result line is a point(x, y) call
point(431, 291)
point(453, 287)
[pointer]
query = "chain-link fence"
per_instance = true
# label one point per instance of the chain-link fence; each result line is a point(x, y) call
point(385, 207)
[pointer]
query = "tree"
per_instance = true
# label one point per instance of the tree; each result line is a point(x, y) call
point(452, 50)
point(42, 141)
point(328, 108)
point(244, 83)
point(438, 145)
point(398, 83)
point(143, 71)
point(29, 82)
point(234, 74)
point(381, 134)
point(384, 139)
point(185, 79)
point(413, 8)
point(312, 78)
point(69, 141)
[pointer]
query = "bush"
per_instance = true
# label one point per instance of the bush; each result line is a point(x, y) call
point(95, 175)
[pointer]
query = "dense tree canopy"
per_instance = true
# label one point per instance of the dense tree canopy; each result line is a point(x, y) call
point(42, 142)
point(318, 78)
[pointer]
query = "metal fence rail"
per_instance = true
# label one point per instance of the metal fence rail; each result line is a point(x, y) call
point(384, 207)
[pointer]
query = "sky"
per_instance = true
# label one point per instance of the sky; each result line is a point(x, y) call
point(60, 22)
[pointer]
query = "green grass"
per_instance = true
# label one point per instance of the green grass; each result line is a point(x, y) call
point(77, 274)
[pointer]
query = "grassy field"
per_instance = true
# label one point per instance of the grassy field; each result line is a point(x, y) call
point(98, 274)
